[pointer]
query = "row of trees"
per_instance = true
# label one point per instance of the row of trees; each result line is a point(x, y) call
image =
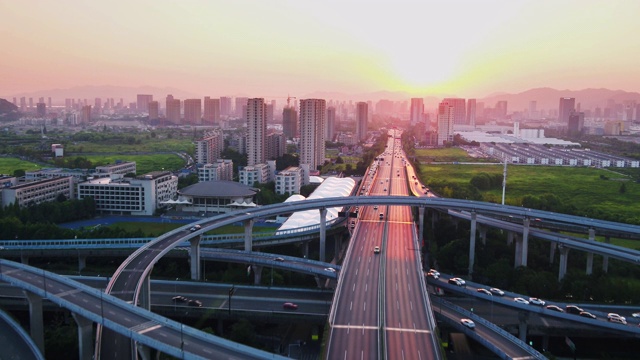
point(56, 212)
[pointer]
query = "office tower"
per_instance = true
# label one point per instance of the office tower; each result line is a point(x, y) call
point(48, 102)
point(67, 104)
point(275, 145)
point(290, 122)
point(362, 115)
point(173, 110)
point(241, 104)
point(41, 109)
point(567, 105)
point(471, 112)
point(193, 111)
point(446, 114)
point(575, 123)
point(331, 123)
point(256, 130)
point(97, 105)
point(85, 115)
point(30, 103)
point(459, 110)
point(384, 107)
point(225, 106)
point(211, 111)
point(23, 104)
point(500, 111)
point(15, 101)
point(142, 105)
point(154, 110)
point(269, 114)
point(417, 111)
point(312, 124)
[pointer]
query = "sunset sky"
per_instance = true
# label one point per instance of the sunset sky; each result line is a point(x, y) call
point(267, 48)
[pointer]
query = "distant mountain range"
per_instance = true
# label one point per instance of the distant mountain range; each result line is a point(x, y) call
point(546, 98)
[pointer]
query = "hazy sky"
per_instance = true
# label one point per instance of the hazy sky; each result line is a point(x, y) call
point(270, 47)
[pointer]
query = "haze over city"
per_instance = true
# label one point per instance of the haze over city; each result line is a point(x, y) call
point(258, 48)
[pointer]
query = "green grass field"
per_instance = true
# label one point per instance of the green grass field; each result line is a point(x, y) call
point(445, 155)
point(10, 164)
point(144, 163)
point(147, 145)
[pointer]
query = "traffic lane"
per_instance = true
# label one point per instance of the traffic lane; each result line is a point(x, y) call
point(353, 342)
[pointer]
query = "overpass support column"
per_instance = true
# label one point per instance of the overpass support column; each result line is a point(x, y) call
point(82, 263)
point(145, 292)
point(323, 233)
point(552, 252)
point(510, 235)
point(522, 325)
point(85, 336)
point(592, 237)
point(35, 319)
point(525, 241)
point(248, 235)
point(195, 257)
point(518, 242)
point(483, 234)
point(605, 259)
point(564, 256)
point(421, 225)
point(305, 250)
point(25, 260)
point(472, 243)
point(257, 274)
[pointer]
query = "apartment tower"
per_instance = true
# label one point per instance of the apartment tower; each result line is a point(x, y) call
point(256, 131)
point(312, 129)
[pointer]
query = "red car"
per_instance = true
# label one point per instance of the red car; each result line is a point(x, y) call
point(290, 306)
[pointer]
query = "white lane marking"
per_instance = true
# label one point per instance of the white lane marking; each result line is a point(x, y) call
point(150, 329)
point(411, 303)
point(354, 287)
point(365, 306)
point(366, 286)
point(408, 330)
point(345, 355)
point(350, 306)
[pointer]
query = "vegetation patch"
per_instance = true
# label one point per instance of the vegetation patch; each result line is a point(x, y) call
point(10, 164)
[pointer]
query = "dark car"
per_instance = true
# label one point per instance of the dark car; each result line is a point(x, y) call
point(554, 308)
point(290, 306)
point(572, 309)
point(196, 303)
point(179, 298)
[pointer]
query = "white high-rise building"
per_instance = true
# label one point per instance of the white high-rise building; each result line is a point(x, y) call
point(417, 111)
point(362, 116)
point(256, 131)
point(312, 131)
point(446, 114)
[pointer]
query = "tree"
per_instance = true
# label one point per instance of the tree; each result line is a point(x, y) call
point(623, 188)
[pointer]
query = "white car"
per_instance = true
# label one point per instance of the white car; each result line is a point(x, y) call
point(636, 315)
point(434, 271)
point(616, 316)
point(521, 300)
point(536, 301)
point(468, 323)
point(330, 269)
point(434, 275)
point(497, 291)
point(461, 281)
point(376, 249)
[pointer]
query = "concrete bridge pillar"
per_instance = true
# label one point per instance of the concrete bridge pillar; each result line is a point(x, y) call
point(483, 234)
point(248, 235)
point(552, 252)
point(82, 263)
point(35, 319)
point(194, 254)
point(564, 257)
point(147, 353)
point(85, 336)
point(145, 293)
point(605, 259)
point(472, 243)
point(257, 274)
point(305, 250)
point(323, 233)
point(592, 237)
point(518, 243)
point(525, 242)
point(510, 235)
point(421, 225)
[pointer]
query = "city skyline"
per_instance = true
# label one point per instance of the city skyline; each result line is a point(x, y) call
point(270, 49)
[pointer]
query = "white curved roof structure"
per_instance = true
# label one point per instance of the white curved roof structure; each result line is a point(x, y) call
point(331, 187)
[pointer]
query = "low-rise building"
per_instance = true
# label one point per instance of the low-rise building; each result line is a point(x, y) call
point(222, 169)
point(120, 167)
point(289, 180)
point(36, 192)
point(260, 173)
point(214, 197)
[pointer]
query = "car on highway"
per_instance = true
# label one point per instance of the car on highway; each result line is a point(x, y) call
point(179, 298)
point(455, 281)
point(195, 228)
point(485, 291)
point(587, 315)
point(615, 316)
point(536, 301)
point(376, 249)
point(290, 306)
point(434, 271)
point(375, 207)
point(434, 274)
point(618, 320)
point(521, 300)
point(196, 303)
point(572, 309)
point(460, 280)
point(330, 269)
point(554, 308)
point(636, 315)
point(497, 291)
point(278, 259)
point(468, 323)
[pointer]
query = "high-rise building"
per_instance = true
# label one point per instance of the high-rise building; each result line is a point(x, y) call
point(312, 128)
point(30, 103)
point(225, 106)
point(446, 115)
point(362, 117)
point(290, 122)
point(211, 111)
point(241, 104)
point(97, 105)
point(142, 105)
point(331, 123)
point(41, 109)
point(154, 110)
point(173, 110)
point(270, 109)
point(275, 145)
point(85, 114)
point(575, 123)
point(567, 105)
point(459, 110)
point(533, 109)
point(193, 111)
point(417, 111)
point(500, 111)
point(471, 112)
point(209, 148)
point(256, 130)
point(48, 101)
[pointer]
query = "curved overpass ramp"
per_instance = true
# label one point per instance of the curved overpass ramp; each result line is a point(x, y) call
point(15, 342)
